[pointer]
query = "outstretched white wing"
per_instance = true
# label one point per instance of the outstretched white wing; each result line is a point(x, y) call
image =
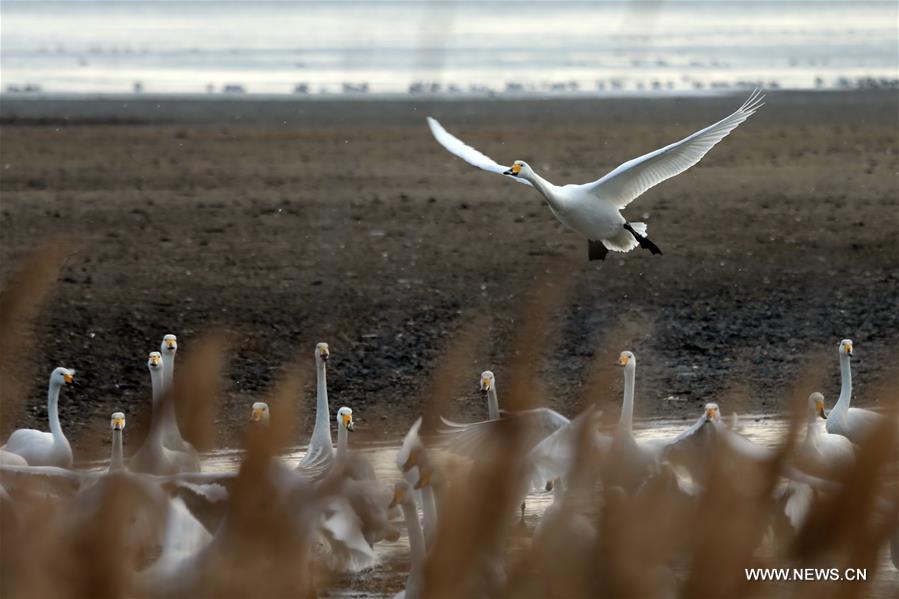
point(631, 179)
point(473, 157)
point(473, 440)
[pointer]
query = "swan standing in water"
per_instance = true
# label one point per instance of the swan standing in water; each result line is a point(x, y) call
point(629, 463)
point(822, 453)
point(39, 448)
point(153, 457)
point(411, 459)
point(852, 423)
point(320, 454)
point(171, 434)
point(593, 209)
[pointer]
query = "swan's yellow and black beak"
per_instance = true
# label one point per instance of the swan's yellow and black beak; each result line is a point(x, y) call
point(513, 172)
point(348, 422)
point(324, 354)
point(256, 415)
point(623, 360)
point(819, 407)
point(485, 385)
point(68, 378)
point(710, 413)
point(118, 423)
point(171, 343)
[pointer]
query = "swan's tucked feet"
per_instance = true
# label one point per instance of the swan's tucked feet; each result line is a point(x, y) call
point(596, 250)
point(644, 242)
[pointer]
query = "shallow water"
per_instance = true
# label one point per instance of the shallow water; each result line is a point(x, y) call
point(189, 47)
point(767, 430)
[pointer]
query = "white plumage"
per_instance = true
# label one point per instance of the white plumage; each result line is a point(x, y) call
point(593, 209)
point(40, 448)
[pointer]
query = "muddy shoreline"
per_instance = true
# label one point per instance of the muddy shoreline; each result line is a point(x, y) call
point(349, 224)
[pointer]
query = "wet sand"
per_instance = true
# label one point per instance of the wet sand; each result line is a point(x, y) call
point(286, 222)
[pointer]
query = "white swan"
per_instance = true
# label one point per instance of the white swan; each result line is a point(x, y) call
point(403, 497)
point(320, 454)
point(593, 209)
point(488, 386)
point(411, 459)
point(474, 438)
point(356, 517)
point(852, 423)
point(822, 453)
point(39, 448)
point(153, 457)
point(117, 460)
point(171, 434)
point(629, 462)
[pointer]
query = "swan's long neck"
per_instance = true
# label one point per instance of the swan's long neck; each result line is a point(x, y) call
point(168, 371)
point(625, 423)
point(169, 419)
point(543, 186)
point(53, 412)
point(811, 428)
point(116, 462)
point(342, 438)
point(842, 404)
point(322, 420)
point(156, 421)
point(416, 541)
point(492, 403)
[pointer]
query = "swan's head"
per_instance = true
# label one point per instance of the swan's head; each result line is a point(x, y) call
point(169, 344)
point(62, 376)
point(846, 347)
point(402, 495)
point(712, 413)
point(117, 421)
point(322, 353)
point(487, 381)
point(627, 359)
point(260, 412)
point(816, 405)
point(345, 418)
point(154, 361)
point(517, 167)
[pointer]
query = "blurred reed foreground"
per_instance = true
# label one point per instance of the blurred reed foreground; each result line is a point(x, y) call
point(106, 536)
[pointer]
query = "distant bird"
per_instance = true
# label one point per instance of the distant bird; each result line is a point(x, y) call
point(593, 209)
point(852, 423)
point(40, 448)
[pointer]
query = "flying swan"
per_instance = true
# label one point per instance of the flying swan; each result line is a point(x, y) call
point(593, 209)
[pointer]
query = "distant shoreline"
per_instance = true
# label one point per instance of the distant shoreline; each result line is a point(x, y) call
point(302, 110)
